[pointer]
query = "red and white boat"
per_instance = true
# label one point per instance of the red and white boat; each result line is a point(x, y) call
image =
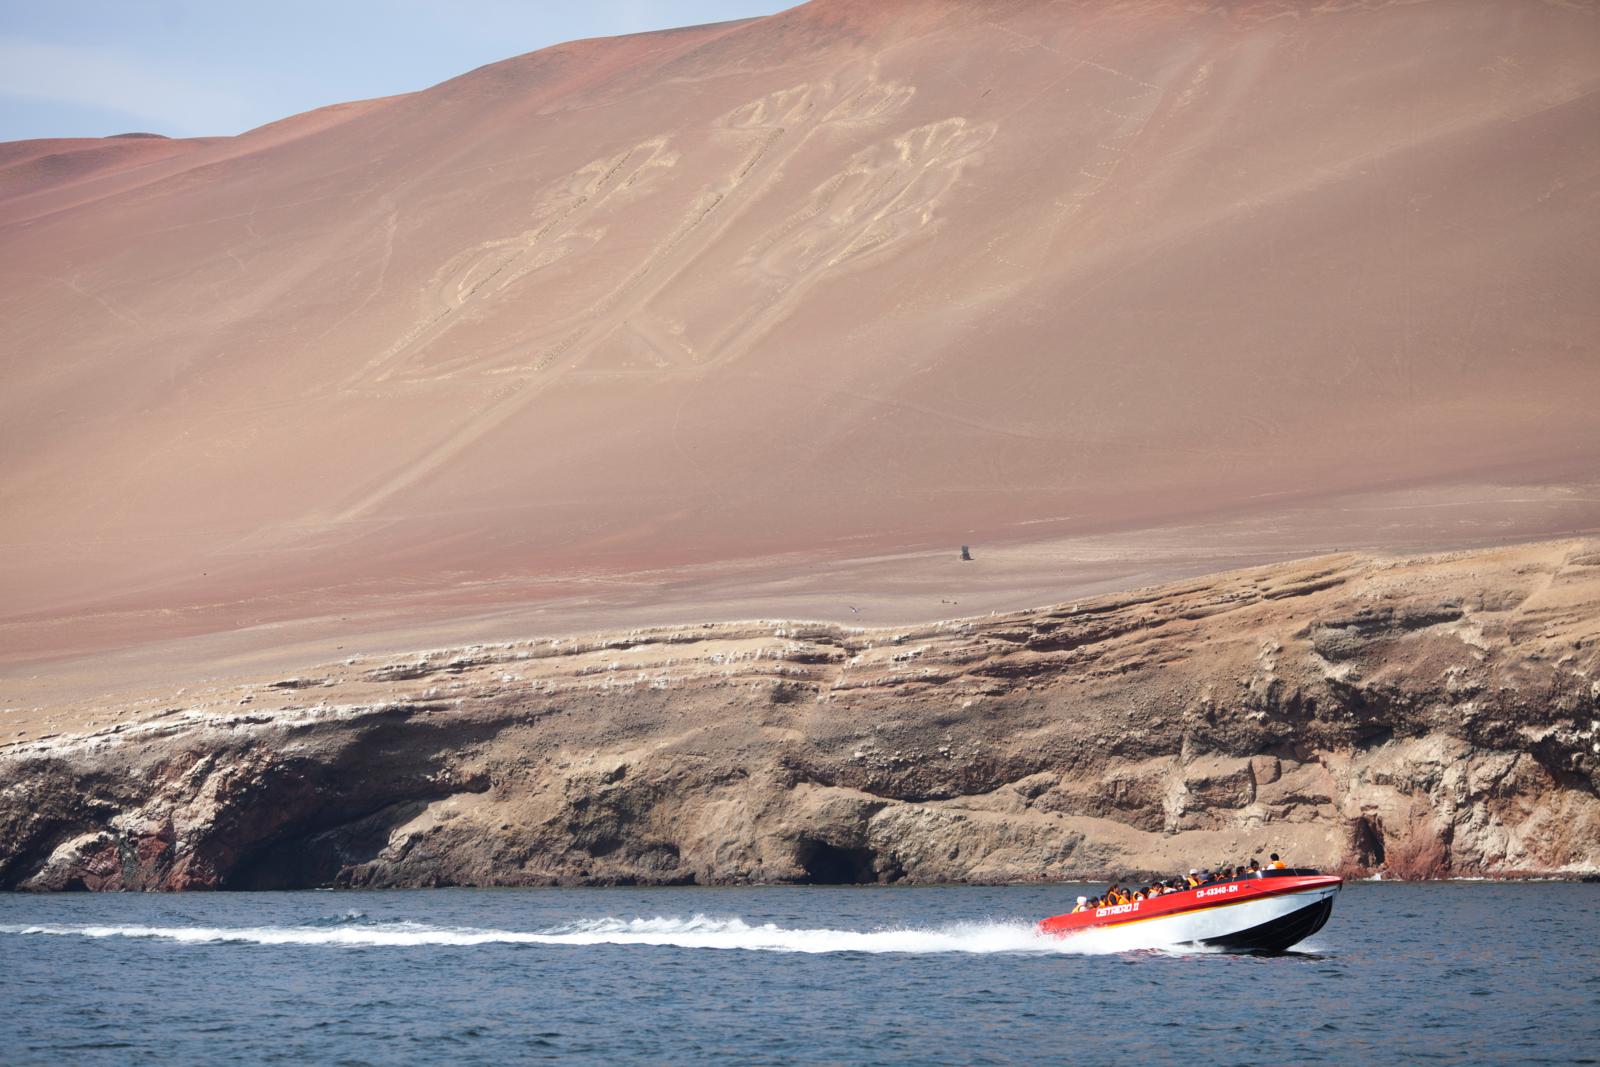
point(1268, 912)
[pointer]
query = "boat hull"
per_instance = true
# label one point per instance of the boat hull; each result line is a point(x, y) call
point(1276, 934)
point(1248, 916)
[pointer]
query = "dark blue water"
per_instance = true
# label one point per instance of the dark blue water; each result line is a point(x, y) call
point(1461, 973)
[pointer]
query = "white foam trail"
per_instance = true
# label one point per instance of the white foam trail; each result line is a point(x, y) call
point(700, 932)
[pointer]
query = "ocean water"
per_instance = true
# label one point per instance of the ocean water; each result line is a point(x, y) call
point(1450, 973)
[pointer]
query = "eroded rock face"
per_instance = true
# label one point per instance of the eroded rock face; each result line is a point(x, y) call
point(1429, 716)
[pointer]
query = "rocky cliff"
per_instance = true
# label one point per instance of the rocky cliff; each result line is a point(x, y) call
point(1427, 716)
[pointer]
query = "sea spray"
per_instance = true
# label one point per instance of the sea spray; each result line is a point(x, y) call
point(696, 932)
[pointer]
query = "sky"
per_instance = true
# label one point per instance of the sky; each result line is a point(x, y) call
point(184, 68)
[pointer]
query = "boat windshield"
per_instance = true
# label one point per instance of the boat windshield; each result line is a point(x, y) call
point(1289, 872)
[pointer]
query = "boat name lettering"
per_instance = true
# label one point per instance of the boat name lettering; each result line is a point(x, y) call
point(1216, 891)
point(1116, 909)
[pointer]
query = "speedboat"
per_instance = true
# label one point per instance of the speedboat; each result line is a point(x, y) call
point(1265, 912)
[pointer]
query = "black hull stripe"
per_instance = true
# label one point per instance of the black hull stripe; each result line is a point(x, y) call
point(1277, 935)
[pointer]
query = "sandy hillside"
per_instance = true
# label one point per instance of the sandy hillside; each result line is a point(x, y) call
point(767, 318)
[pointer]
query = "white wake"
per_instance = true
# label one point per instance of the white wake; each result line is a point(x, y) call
point(699, 932)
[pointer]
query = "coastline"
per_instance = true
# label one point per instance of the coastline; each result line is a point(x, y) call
point(1428, 715)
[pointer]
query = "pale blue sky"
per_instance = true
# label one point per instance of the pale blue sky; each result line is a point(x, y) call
point(88, 68)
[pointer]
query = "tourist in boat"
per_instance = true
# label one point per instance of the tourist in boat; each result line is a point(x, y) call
point(1117, 894)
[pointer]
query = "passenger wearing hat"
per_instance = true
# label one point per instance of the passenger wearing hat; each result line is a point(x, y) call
point(1083, 905)
point(1194, 878)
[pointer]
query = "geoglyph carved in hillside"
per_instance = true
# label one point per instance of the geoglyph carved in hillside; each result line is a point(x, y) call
point(885, 194)
point(869, 103)
point(567, 220)
point(575, 216)
point(783, 108)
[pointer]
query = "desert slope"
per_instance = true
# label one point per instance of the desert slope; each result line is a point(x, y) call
point(854, 279)
point(1425, 716)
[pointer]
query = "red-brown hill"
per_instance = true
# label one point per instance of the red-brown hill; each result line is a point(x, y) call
point(855, 279)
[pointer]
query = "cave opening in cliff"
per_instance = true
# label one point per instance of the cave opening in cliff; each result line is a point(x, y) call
point(313, 856)
point(829, 864)
point(1366, 841)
